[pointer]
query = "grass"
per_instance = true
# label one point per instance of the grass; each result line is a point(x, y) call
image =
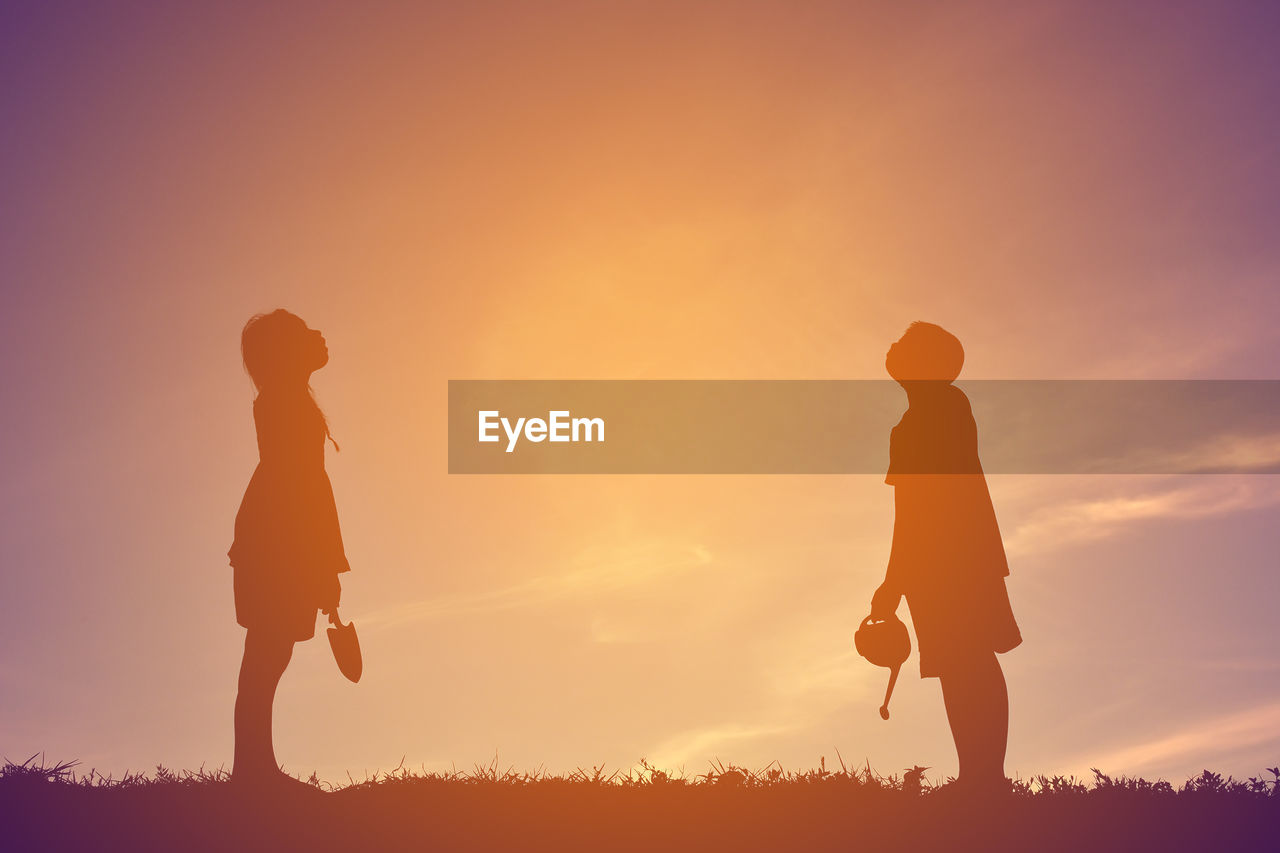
point(729, 808)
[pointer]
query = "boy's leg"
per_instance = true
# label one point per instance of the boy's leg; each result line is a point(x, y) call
point(264, 661)
point(977, 702)
point(995, 720)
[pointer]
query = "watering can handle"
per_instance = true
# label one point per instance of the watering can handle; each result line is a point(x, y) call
point(893, 679)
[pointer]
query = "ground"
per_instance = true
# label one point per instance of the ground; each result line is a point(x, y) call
point(729, 809)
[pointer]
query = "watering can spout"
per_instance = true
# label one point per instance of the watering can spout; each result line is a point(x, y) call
point(893, 679)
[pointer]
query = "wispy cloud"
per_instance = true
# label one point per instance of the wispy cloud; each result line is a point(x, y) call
point(1082, 520)
point(701, 745)
point(1240, 665)
point(614, 631)
point(840, 674)
point(597, 571)
point(1242, 453)
point(807, 684)
point(1217, 735)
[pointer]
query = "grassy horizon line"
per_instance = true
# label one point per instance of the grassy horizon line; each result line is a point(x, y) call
point(719, 774)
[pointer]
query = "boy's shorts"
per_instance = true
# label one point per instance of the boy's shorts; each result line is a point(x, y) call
point(956, 624)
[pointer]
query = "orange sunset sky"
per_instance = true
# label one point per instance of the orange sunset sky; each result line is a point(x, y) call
point(621, 191)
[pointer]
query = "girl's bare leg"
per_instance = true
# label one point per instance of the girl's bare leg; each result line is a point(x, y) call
point(264, 661)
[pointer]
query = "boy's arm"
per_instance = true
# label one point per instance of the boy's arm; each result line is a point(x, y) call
point(884, 602)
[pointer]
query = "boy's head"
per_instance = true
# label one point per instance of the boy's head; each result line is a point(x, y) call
point(925, 352)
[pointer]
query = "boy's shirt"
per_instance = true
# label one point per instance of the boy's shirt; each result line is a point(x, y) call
point(945, 531)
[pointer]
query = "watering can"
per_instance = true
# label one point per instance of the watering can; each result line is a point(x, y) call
point(346, 647)
point(884, 642)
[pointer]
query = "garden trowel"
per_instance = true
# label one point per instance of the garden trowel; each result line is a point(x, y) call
point(346, 647)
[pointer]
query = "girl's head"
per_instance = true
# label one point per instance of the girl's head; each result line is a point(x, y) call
point(280, 351)
point(925, 352)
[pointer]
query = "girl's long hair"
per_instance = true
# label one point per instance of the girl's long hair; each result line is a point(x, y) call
point(268, 344)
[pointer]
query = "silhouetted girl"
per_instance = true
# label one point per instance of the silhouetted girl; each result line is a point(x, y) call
point(288, 552)
point(947, 556)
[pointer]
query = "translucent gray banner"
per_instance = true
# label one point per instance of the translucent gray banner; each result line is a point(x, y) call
point(842, 426)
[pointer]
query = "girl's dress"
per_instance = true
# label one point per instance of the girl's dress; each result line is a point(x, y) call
point(288, 546)
point(947, 557)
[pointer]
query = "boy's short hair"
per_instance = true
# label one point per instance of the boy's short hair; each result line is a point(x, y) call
point(935, 349)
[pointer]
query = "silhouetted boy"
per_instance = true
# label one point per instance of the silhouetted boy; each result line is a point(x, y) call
point(947, 556)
